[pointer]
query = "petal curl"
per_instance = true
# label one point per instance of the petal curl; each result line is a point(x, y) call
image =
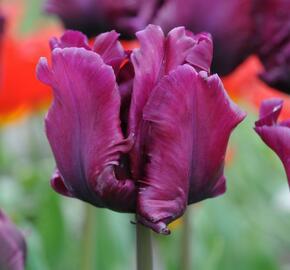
point(187, 120)
point(275, 135)
point(269, 112)
point(83, 128)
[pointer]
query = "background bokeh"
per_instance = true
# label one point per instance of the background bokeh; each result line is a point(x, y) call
point(247, 228)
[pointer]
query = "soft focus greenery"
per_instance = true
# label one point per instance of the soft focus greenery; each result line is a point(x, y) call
point(247, 228)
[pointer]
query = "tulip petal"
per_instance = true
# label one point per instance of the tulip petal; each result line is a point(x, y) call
point(275, 55)
point(156, 57)
point(70, 39)
point(187, 119)
point(111, 50)
point(106, 45)
point(275, 135)
point(269, 112)
point(57, 183)
point(147, 63)
point(183, 46)
point(83, 128)
point(200, 56)
point(216, 116)
point(231, 24)
point(12, 245)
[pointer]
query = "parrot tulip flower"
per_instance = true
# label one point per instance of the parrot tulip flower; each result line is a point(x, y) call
point(144, 131)
point(275, 134)
point(12, 245)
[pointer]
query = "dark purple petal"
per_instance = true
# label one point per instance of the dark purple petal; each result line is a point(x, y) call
point(2, 25)
point(12, 245)
point(91, 16)
point(125, 80)
point(273, 33)
point(87, 16)
point(57, 183)
point(187, 121)
point(83, 129)
point(275, 135)
point(215, 117)
point(231, 23)
point(147, 63)
point(156, 57)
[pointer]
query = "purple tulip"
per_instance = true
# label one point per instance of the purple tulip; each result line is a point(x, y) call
point(90, 16)
point(230, 22)
point(163, 153)
point(12, 245)
point(274, 50)
point(275, 134)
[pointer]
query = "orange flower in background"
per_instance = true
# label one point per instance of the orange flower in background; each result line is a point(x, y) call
point(244, 84)
point(20, 92)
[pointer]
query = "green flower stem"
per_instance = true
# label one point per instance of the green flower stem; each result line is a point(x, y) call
point(144, 248)
point(88, 251)
point(186, 250)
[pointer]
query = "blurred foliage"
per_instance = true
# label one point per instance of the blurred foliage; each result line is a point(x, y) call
point(247, 228)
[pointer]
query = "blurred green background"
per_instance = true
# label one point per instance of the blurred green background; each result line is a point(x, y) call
point(247, 228)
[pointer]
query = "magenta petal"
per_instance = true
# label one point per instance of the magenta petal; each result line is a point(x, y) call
point(110, 49)
point(57, 183)
point(12, 245)
point(269, 112)
point(187, 119)
point(106, 45)
point(177, 47)
point(275, 135)
point(215, 117)
point(83, 128)
point(200, 56)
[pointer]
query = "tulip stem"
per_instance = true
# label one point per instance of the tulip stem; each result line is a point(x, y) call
point(144, 248)
point(88, 239)
point(186, 252)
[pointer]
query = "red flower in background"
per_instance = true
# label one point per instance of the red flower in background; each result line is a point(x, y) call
point(20, 92)
point(244, 84)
